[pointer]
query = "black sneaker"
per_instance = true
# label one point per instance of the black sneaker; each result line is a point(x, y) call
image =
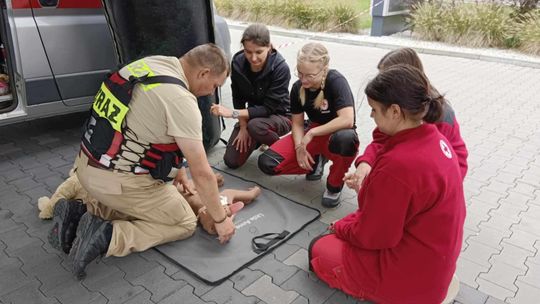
point(318, 168)
point(66, 217)
point(93, 239)
point(330, 199)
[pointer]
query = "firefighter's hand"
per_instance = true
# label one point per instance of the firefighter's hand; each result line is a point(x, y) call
point(219, 110)
point(183, 183)
point(226, 229)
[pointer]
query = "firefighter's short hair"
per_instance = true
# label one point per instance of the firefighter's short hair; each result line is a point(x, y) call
point(208, 56)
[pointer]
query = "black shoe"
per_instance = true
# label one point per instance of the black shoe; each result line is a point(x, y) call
point(318, 168)
point(93, 239)
point(330, 199)
point(66, 217)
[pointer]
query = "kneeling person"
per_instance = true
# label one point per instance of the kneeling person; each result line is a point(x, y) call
point(126, 158)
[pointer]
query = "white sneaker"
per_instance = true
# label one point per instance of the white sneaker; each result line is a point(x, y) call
point(263, 147)
point(330, 199)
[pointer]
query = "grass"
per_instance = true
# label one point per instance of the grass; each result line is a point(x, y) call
point(317, 15)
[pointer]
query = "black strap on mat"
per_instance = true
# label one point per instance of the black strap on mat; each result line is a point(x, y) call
point(273, 238)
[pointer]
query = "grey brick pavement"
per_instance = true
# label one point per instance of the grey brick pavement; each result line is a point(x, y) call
point(496, 105)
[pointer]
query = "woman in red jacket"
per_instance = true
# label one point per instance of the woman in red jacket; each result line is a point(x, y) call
point(447, 124)
point(402, 243)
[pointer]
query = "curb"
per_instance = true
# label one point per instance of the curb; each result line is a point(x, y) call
point(359, 40)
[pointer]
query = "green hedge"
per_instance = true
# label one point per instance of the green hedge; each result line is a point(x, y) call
point(477, 25)
point(316, 15)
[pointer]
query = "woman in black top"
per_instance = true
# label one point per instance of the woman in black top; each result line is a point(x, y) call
point(325, 96)
point(260, 90)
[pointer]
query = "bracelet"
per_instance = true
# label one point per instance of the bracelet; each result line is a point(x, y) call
point(223, 220)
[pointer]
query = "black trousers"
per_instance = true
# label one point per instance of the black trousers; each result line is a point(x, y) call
point(263, 130)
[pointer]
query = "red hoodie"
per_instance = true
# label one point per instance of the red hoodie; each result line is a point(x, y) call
point(448, 126)
point(405, 237)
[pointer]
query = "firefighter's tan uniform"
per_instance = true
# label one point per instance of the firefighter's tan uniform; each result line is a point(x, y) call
point(146, 212)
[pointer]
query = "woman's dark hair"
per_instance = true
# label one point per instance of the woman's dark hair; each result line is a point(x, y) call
point(256, 33)
point(409, 88)
point(401, 56)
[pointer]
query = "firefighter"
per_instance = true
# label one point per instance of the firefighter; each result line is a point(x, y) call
point(145, 120)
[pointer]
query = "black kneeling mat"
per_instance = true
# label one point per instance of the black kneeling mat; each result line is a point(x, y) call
point(261, 226)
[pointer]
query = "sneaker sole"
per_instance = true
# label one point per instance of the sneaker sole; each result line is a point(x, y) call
point(60, 213)
point(78, 271)
point(79, 245)
point(313, 178)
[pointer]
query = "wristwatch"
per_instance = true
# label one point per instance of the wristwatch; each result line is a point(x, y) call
point(235, 114)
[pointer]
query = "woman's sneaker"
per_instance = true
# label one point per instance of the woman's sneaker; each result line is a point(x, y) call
point(66, 217)
point(318, 168)
point(330, 199)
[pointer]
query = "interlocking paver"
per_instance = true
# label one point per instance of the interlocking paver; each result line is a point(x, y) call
point(513, 255)
point(112, 285)
point(200, 287)
point(28, 293)
point(489, 197)
point(245, 277)
point(6, 224)
point(35, 193)
point(141, 298)
point(184, 295)
point(524, 188)
point(132, 265)
point(489, 236)
point(52, 274)
point(500, 222)
point(8, 148)
point(73, 292)
point(26, 162)
point(503, 275)
point(299, 259)
point(300, 300)
point(528, 294)
point(494, 290)
point(533, 275)
point(284, 251)
point(492, 300)
point(277, 270)
point(264, 289)
point(468, 294)
point(468, 271)
point(516, 198)
point(226, 294)
point(16, 239)
point(152, 255)
point(158, 283)
point(311, 288)
point(53, 181)
point(14, 174)
point(510, 211)
point(522, 239)
point(512, 169)
point(341, 298)
point(11, 276)
point(301, 239)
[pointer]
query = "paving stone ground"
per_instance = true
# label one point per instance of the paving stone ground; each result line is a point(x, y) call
point(496, 105)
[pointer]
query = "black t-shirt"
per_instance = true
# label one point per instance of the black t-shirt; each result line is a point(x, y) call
point(252, 76)
point(337, 95)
